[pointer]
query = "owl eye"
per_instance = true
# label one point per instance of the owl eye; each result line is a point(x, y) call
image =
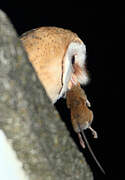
point(73, 60)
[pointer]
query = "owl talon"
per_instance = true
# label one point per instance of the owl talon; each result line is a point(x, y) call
point(93, 132)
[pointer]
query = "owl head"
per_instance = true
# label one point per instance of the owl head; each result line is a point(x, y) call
point(58, 57)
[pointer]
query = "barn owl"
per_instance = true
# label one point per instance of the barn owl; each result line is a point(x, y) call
point(58, 57)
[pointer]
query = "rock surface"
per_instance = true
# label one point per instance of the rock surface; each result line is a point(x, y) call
point(29, 120)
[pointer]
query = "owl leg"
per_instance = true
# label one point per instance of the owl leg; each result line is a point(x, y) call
point(81, 140)
point(93, 132)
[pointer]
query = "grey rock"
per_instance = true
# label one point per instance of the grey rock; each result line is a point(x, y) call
point(38, 135)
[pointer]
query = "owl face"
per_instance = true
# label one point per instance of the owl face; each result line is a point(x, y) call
point(58, 57)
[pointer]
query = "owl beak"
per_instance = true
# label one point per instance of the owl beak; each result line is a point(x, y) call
point(73, 81)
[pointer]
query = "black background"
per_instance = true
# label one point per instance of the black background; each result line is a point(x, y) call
point(101, 29)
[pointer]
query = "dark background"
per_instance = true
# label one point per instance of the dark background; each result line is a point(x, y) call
point(101, 29)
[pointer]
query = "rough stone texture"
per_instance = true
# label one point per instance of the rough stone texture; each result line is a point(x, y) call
point(30, 121)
